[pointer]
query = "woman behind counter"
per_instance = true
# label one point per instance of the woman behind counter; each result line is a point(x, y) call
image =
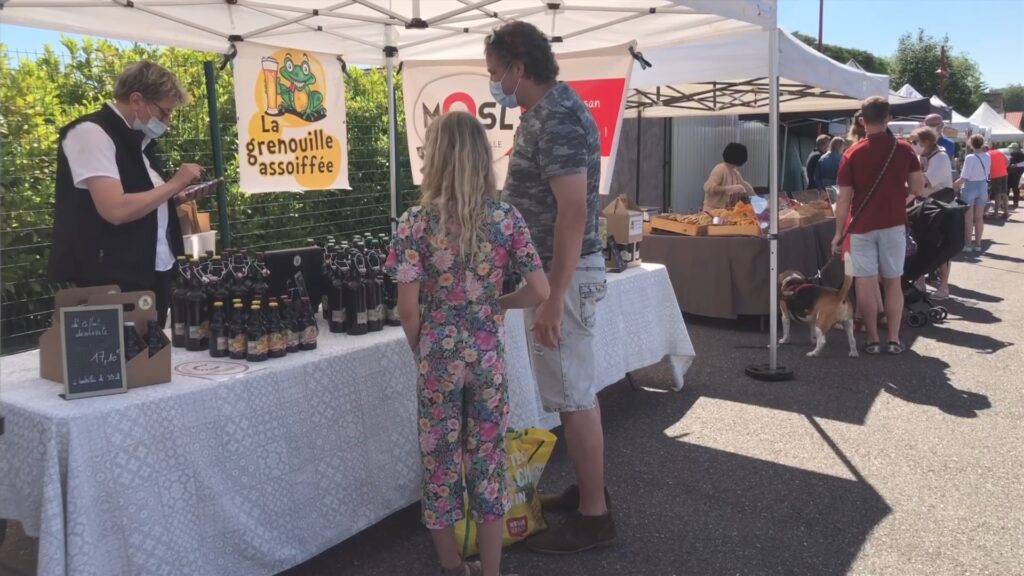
point(725, 184)
point(114, 214)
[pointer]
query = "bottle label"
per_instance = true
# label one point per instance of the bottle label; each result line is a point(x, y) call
point(277, 341)
point(237, 345)
point(393, 313)
point(195, 332)
point(222, 343)
point(309, 335)
point(373, 315)
point(179, 329)
point(204, 329)
point(293, 338)
point(361, 317)
point(338, 316)
point(259, 346)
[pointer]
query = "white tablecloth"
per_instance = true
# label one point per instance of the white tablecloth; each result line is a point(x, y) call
point(254, 473)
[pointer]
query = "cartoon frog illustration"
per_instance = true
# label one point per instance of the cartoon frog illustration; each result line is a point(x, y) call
point(295, 79)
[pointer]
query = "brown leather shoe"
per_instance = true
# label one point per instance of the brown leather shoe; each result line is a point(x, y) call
point(577, 534)
point(568, 501)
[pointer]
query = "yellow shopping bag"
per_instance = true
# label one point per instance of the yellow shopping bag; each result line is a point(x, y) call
point(528, 452)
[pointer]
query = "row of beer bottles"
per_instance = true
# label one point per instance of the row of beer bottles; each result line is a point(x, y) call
point(360, 296)
point(255, 335)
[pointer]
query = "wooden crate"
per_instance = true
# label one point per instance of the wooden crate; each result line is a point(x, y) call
point(667, 225)
point(734, 230)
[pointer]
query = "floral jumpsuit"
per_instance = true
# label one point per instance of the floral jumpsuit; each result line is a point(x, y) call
point(463, 396)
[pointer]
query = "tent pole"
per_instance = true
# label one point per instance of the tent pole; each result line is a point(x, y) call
point(390, 52)
point(223, 227)
point(639, 123)
point(785, 151)
point(773, 371)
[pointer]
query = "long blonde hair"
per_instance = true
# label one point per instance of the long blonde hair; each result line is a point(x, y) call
point(458, 175)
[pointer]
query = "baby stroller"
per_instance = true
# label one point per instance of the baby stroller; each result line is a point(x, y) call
point(938, 229)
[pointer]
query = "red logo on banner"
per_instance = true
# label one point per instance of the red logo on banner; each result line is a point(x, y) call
point(604, 100)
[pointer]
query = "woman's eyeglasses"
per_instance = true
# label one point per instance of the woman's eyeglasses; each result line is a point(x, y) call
point(165, 114)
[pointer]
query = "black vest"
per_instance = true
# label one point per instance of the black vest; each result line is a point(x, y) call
point(88, 250)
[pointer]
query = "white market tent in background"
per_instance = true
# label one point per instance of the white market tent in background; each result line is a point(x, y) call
point(999, 130)
point(962, 125)
point(727, 74)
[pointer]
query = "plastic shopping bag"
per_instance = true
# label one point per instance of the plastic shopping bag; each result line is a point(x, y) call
point(528, 452)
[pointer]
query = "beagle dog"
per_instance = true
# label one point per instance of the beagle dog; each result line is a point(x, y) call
point(819, 306)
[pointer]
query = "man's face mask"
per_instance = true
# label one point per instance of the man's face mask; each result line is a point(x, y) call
point(498, 93)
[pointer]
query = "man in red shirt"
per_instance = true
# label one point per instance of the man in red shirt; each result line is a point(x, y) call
point(999, 190)
point(877, 235)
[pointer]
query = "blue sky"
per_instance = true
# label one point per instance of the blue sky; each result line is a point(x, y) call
point(987, 30)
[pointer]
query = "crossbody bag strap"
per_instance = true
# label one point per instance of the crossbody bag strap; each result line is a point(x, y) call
point(871, 192)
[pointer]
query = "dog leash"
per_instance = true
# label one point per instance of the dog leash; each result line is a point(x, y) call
point(860, 209)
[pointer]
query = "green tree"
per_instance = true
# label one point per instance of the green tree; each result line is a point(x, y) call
point(1013, 98)
point(869, 61)
point(917, 60)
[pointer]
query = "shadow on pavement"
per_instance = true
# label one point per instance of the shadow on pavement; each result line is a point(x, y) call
point(968, 294)
point(960, 309)
point(680, 508)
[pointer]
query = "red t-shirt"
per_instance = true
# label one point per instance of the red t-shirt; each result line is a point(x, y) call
point(999, 165)
point(860, 167)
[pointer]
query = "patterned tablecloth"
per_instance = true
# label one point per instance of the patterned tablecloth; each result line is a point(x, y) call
point(252, 473)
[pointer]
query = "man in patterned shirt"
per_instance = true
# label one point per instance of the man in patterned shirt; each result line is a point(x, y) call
point(554, 177)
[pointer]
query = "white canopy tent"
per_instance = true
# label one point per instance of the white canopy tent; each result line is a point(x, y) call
point(961, 124)
point(999, 130)
point(728, 75)
point(384, 31)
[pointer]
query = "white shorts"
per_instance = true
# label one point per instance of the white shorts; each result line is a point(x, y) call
point(567, 376)
point(879, 252)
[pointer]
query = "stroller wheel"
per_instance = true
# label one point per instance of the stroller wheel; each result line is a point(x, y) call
point(916, 320)
point(937, 314)
point(945, 313)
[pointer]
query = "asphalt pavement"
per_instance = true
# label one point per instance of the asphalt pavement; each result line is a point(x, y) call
point(901, 466)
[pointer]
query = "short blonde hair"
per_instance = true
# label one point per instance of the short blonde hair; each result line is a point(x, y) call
point(836, 144)
point(924, 135)
point(150, 79)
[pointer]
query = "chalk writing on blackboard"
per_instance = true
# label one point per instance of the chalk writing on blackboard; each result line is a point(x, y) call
point(93, 344)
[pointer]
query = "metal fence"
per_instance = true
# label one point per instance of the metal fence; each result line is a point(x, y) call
point(68, 85)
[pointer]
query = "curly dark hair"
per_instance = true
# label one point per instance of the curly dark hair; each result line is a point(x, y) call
point(523, 42)
point(735, 154)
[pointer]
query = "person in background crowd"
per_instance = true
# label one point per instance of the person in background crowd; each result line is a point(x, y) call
point(458, 245)
point(938, 184)
point(821, 144)
point(998, 183)
point(878, 234)
point(114, 216)
point(725, 185)
point(828, 165)
point(1015, 171)
point(936, 123)
point(554, 179)
point(973, 186)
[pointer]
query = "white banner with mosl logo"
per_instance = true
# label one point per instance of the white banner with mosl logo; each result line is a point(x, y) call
point(431, 88)
point(291, 120)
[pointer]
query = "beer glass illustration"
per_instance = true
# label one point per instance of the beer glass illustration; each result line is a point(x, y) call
point(270, 86)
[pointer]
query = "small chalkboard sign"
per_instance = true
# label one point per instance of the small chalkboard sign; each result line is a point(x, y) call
point(92, 340)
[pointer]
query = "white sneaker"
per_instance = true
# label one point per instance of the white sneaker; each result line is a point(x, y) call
point(940, 294)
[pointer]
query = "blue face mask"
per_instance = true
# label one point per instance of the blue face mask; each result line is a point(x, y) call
point(152, 129)
point(498, 93)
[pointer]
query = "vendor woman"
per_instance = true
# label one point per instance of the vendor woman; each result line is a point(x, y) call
point(114, 215)
point(725, 184)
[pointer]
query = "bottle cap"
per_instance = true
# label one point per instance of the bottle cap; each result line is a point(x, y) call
point(129, 323)
point(273, 304)
point(238, 305)
point(218, 304)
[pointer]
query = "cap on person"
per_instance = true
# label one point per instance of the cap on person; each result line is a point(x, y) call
point(1014, 146)
point(934, 121)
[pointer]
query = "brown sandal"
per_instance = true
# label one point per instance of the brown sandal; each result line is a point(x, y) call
point(467, 569)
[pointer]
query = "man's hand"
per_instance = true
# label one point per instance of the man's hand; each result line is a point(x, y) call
point(547, 322)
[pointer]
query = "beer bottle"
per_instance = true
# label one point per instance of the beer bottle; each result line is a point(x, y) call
point(356, 316)
point(196, 316)
point(238, 338)
point(131, 341)
point(337, 298)
point(291, 329)
point(390, 288)
point(278, 340)
point(179, 305)
point(218, 332)
point(307, 322)
point(374, 293)
point(256, 336)
point(153, 339)
point(326, 274)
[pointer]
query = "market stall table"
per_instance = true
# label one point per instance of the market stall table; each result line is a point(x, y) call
point(248, 469)
point(728, 277)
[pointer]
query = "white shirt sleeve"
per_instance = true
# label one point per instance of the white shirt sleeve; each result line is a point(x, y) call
point(974, 169)
point(90, 152)
point(939, 173)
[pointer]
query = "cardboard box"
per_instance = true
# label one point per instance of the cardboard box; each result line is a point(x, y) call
point(669, 225)
point(735, 230)
point(625, 220)
point(142, 370)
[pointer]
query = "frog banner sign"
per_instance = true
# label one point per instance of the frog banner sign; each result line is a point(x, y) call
point(431, 88)
point(291, 120)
